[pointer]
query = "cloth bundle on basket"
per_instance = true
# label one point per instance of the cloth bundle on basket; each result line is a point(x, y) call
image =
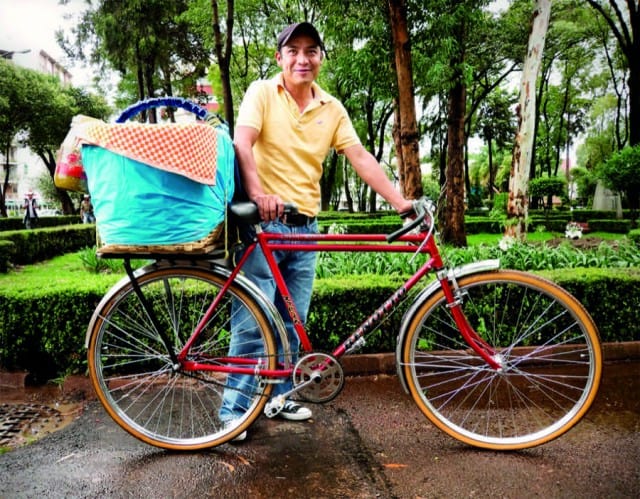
point(157, 188)
point(69, 174)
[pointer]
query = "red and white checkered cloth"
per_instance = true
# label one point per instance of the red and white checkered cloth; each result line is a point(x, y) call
point(186, 149)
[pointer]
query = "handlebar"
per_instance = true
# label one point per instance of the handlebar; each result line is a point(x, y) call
point(144, 105)
point(423, 209)
point(247, 211)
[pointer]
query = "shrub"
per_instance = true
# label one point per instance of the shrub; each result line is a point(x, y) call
point(7, 251)
point(15, 223)
point(42, 244)
point(614, 226)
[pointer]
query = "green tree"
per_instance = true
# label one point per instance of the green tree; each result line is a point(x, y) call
point(36, 111)
point(623, 18)
point(621, 172)
point(14, 113)
point(149, 39)
point(585, 181)
point(359, 73)
point(405, 127)
point(57, 105)
point(496, 124)
point(517, 206)
point(547, 187)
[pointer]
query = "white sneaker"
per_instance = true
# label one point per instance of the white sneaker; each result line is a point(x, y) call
point(238, 438)
point(295, 412)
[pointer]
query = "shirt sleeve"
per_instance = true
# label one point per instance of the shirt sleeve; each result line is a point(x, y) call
point(252, 107)
point(345, 135)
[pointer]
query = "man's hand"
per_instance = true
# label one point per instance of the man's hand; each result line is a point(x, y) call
point(270, 206)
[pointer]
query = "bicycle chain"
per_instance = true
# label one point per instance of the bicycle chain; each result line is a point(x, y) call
point(325, 365)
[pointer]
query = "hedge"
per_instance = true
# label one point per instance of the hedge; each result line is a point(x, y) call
point(16, 223)
point(42, 331)
point(36, 245)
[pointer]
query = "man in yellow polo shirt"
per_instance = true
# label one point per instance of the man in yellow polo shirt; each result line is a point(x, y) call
point(285, 129)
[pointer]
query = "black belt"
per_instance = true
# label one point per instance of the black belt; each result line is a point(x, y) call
point(297, 220)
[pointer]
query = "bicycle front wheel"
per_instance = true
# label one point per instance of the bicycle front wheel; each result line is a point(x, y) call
point(547, 346)
point(145, 392)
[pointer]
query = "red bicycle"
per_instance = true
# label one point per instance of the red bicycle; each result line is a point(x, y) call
point(498, 359)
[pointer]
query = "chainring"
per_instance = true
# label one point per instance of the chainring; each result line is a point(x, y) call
point(326, 376)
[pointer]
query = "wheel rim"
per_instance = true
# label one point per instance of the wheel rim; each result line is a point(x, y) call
point(136, 380)
point(546, 343)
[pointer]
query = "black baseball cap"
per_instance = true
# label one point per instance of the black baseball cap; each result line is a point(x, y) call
point(298, 29)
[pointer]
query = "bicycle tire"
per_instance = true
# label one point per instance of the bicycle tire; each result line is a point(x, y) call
point(132, 373)
point(549, 350)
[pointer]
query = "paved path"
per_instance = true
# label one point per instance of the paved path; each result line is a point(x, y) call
point(369, 442)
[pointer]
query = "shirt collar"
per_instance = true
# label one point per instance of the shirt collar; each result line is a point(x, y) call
point(319, 95)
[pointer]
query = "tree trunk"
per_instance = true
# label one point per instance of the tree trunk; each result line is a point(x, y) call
point(634, 90)
point(328, 181)
point(409, 166)
point(5, 185)
point(626, 28)
point(492, 173)
point(149, 71)
point(223, 55)
point(347, 192)
point(453, 227)
point(395, 133)
point(519, 178)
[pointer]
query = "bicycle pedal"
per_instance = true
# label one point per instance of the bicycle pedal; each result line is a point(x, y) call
point(274, 406)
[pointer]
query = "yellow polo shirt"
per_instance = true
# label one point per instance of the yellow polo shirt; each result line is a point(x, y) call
point(291, 146)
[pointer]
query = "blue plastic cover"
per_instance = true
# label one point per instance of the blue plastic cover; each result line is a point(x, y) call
point(137, 204)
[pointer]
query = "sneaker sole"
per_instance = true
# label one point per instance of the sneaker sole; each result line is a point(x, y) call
point(240, 438)
point(295, 417)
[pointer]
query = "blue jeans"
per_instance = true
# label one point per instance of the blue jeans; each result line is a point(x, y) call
point(298, 270)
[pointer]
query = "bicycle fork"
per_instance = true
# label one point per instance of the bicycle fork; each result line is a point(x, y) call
point(455, 298)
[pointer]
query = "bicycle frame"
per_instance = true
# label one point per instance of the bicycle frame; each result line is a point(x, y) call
point(421, 243)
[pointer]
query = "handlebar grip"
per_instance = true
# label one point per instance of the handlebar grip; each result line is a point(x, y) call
point(247, 211)
point(420, 209)
point(404, 229)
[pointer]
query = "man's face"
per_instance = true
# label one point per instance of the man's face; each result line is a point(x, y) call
point(300, 60)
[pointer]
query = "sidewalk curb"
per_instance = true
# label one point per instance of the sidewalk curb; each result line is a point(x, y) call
point(385, 363)
point(352, 365)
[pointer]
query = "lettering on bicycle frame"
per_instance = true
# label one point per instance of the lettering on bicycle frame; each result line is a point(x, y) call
point(383, 310)
point(291, 308)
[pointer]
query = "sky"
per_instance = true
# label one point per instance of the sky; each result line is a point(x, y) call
point(31, 25)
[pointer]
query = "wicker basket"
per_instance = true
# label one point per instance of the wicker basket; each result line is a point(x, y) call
point(214, 241)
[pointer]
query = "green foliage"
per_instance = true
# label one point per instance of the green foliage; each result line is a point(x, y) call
point(609, 295)
point(44, 309)
point(16, 223)
point(586, 182)
point(42, 244)
point(340, 305)
point(613, 226)
point(621, 172)
point(36, 110)
point(7, 250)
point(546, 187)
point(533, 257)
point(498, 211)
point(96, 265)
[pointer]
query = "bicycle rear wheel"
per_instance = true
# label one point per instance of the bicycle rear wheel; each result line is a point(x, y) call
point(545, 341)
point(138, 384)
